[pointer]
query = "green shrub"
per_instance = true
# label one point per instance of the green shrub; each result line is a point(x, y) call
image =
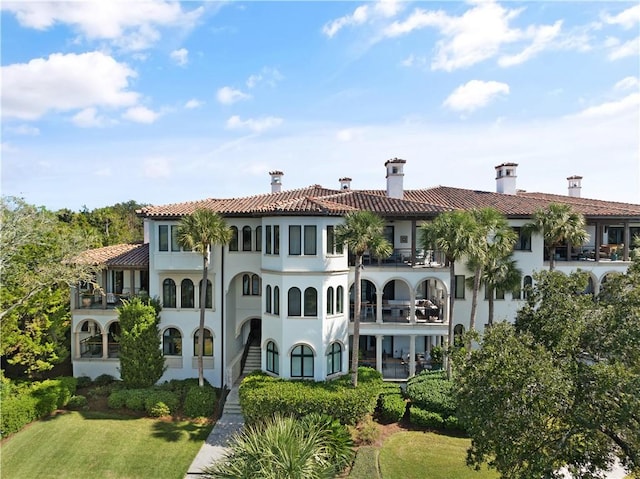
point(135, 399)
point(431, 391)
point(17, 412)
point(391, 407)
point(200, 401)
point(423, 418)
point(159, 409)
point(84, 382)
point(104, 380)
point(168, 399)
point(452, 423)
point(117, 399)
point(181, 386)
point(77, 402)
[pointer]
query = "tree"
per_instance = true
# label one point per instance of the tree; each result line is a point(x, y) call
point(558, 224)
point(141, 358)
point(198, 232)
point(499, 273)
point(37, 266)
point(449, 233)
point(561, 384)
point(361, 231)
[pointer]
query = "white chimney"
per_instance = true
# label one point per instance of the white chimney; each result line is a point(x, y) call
point(506, 178)
point(395, 177)
point(574, 186)
point(345, 184)
point(276, 181)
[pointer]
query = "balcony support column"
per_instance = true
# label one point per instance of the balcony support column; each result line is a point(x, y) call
point(105, 345)
point(412, 355)
point(379, 306)
point(627, 241)
point(379, 352)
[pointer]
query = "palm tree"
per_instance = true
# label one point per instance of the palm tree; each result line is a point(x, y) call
point(500, 272)
point(449, 233)
point(198, 231)
point(361, 231)
point(558, 224)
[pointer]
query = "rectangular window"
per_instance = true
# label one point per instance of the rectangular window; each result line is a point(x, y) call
point(175, 246)
point(310, 240)
point(163, 237)
point(268, 239)
point(259, 238)
point(295, 240)
point(276, 239)
point(459, 294)
point(523, 243)
point(499, 293)
point(331, 239)
point(486, 293)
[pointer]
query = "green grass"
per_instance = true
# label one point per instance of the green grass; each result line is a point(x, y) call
point(107, 446)
point(424, 455)
point(366, 464)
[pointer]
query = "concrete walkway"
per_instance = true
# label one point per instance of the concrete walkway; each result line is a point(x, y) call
point(215, 446)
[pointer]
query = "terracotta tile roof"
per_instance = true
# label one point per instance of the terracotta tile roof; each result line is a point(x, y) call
point(119, 256)
point(316, 200)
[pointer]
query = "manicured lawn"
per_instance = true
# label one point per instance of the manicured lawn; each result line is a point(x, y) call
point(107, 446)
point(424, 455)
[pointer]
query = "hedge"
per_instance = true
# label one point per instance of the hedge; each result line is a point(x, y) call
point(200, 401)
point(421, 417)
point(263, 396)
point(431, 391)
point(145, 400)
point(391, 403)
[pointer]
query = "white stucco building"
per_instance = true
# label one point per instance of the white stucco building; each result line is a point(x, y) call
point(279, 292)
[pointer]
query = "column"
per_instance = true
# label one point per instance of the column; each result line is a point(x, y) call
point(412, 355)
point(412, 306)
point(413, 243)
point(379, 352)
point(76, 345)
point(104, 289)
point(379, 306)
point(105, 345)
point(132, 283)
point(627, 241)
point(598, 240)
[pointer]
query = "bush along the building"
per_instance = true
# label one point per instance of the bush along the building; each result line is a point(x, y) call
point(432, 401)
point(392, 405)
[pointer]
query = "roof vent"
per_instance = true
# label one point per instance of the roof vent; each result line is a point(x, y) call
point(276, 181)
point(345, 184)
point(574, 186)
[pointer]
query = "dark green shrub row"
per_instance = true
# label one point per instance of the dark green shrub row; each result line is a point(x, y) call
point(433, 420)
point(144, 400)
point(25, 404)
point(200, 401)
point(263, 396)
point(77, 402)
point(181, 386)
point(431, 391)
point(391, 403)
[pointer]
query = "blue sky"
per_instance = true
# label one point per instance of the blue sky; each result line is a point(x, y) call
point(163, 102)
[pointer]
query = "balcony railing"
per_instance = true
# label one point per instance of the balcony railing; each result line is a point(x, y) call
point(399, 311)
point(100, 300)
point(405, 257)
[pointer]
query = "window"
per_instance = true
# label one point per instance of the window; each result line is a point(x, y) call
point(268, 240)
point(168, 293)
point(273, 358)
point(172, 342)
point(268, 299)
point(246, 285)
point(208, 343)
point(295, 239)
point(175, 246)
point(186, 294)
point(113, 341)
point(310, 302)
point(208, 301)
point(276, 239)
point(246, 238)
point(487, 292)
point(340, 300)
point(301, 362)
point(331, 240)
point(259, 238)
point(523, 243)
point(276, 300)
point(516, 293)
point(117, 283)
point(163, 237)
point(255, 285)
point(310, 240)
point(330, 301)
point(499, 293)
point(294, 304)
point(334, 359)
point(458, 333)
point(459, 293)
point(528, 284)
point(233, 244)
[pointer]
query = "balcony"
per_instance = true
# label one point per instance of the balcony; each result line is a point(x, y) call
point(101, 300)
point(403, 257)
point(399, 311)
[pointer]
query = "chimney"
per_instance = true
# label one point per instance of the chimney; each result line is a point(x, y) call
point(276, 181)
point(574, 186)
point(345, 184)
point(506, 178)
point(395, 177)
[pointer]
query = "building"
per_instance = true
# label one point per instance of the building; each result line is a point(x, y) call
point(278, 294)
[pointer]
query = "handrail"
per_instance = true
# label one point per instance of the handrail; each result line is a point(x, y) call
point(245, 353)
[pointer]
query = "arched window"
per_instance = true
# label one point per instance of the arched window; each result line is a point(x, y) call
point(528, 284)
point(330, 300)
point(276, 300)
point(310, 302)
point(246, 238)
point(233, 244)
point(168, 293)
point(187, 294)
point(208, 301)
point(458, 332)
point(301, 362)
point(113, 342)
point(334, 359)
point(340, 300)
point(172, 342)
point(246, 285)
point(273, 358)
point(294, 306)
point(259, 238)
point(268, 299)
point(208, 343)
point(255, 285)
point(90, 340)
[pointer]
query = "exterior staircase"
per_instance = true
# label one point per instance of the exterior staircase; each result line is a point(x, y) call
point(232, 404)
point(253, 361)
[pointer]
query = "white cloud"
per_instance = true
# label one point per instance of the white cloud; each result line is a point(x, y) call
point(363, 14)
point(64, 83)
point(627, 83)
point(270, 76)
point(475, 94)
point(141, 114)
point(628, 104)
point(129, 25)
point(350, 134)
point(227, 95)
point(181, 56)
point(156, 168)
point(627, 18)
point(627, 49)
point(254, 124)
point(88, 118)
point(27, 130)
point(543, 36)
point(193, 103)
